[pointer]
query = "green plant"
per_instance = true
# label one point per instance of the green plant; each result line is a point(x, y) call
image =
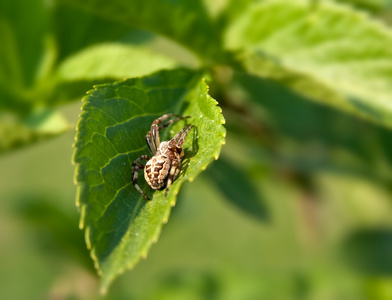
point(297, 82)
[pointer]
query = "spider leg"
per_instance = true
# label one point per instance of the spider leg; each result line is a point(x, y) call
point(182, 138)
point(177, 169)
point(172, 121)
point(179, 139)
point(151, 143)
point(155, 135)
point(174, 169)
point(152, 138)
point(164, 118)
point(135, 173)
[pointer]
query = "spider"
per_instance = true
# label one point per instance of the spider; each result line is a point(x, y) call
point(162, 169)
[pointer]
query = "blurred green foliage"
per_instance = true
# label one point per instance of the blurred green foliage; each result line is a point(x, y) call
point(298, 206)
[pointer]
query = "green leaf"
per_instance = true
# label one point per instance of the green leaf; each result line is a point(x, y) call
point(22, 40)
point(25, 53)
point(112, 60)
point(242, 194)
point(371, 5)
point(327, 51)
point(186, 22)
point(306, 137)
point(368, 250)
point(16, 132)
point(100, 64)
point(72, 36)
point(120, 225)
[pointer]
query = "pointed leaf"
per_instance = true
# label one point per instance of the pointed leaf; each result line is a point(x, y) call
point(120, 225)
point(327, 51)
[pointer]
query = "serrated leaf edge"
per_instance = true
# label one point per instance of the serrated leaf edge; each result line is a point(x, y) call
point(175, 191)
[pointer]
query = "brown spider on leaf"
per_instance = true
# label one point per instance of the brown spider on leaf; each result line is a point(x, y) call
point(163, 168)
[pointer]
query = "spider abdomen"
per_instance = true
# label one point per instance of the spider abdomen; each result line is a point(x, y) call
point(163, 168)
point(156, 171)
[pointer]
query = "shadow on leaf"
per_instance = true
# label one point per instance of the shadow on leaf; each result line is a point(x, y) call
point(189, 152)
point(369, 251)
point(234, 184)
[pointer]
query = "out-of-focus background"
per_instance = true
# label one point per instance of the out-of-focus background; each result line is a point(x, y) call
point(297, 207)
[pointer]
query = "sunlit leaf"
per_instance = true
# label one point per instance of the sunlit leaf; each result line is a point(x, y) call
point(326, 51)
point(120, 224)
point(100, 64)
point(112, 60)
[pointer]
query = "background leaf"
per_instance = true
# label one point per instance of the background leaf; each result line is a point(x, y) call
point(120, 224)
point(25, 50)
point(41, 124)
point(346, 57)
point(195, 32)
point(369, 250)
point(71, 37)
point(101, 63)
point(112, 60)
point(234, 184)
point(308, 136)
point(19, 32)
point(371, 5)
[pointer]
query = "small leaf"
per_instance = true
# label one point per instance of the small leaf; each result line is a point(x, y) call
point(100, 64)
point(112, 60)
point(120, 225)
point(16, 132)
point(344, 55)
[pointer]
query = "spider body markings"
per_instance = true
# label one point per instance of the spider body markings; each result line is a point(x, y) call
point(163, 167)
